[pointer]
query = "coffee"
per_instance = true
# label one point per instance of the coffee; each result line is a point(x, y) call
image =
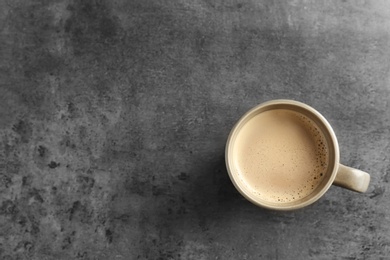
point(281, 155)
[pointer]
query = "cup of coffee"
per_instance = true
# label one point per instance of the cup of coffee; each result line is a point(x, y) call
point(284, 155)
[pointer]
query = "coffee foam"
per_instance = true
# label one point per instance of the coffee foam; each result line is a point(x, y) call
point(281, 155)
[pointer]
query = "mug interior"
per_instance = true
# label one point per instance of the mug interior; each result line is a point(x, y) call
point(324, 127)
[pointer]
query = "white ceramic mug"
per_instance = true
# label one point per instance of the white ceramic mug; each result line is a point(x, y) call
point(335, 173)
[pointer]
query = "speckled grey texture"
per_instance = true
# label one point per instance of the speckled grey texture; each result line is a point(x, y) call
point(114, 117)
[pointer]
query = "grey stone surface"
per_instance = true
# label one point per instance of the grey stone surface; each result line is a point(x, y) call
point(114, 117)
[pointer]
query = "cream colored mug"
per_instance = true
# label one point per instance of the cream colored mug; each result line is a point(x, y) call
point(284, 155)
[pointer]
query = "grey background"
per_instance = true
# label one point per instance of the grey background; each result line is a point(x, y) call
point(114, 117)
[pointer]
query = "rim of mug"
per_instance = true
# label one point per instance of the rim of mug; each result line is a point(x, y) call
point(250, 196)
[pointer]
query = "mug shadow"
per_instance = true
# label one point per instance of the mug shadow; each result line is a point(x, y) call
point(214, 198)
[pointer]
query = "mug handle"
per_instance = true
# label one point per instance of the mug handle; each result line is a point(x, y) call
point(352, 179)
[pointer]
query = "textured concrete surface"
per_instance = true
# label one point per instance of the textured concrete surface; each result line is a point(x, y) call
point(114, 116)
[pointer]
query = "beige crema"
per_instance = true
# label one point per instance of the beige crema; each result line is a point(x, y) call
point(282, 156)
